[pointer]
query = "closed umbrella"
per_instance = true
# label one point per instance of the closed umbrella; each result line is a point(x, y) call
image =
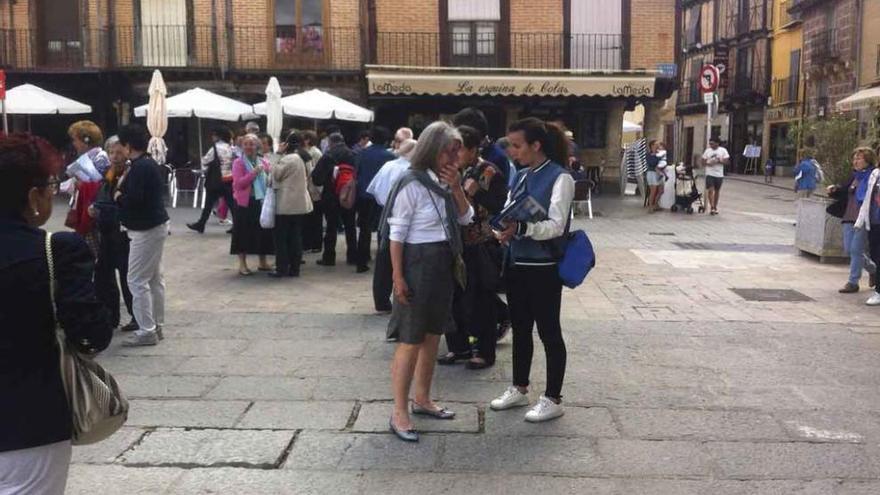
point(274, 113)
point(157, 118)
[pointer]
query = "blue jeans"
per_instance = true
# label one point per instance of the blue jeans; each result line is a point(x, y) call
point(855, 243)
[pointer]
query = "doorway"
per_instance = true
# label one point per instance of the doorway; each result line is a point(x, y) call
point(59, 35)
point(164, 33)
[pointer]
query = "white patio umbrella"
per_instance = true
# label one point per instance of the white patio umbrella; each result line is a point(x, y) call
point(157, 118)
point(274, 113)
point(28, 99)
point(860, 100)
point(316, 104)
point(202, 104)
point(631, 127)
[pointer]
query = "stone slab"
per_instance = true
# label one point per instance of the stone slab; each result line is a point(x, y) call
point(485, 454)
point(332, 451)
point(237, 366)
point(793, 460)
point(672, 424)
point(120, 480)
point(184, 347)
point(106, 451)
point(263, 388)
point(262, 482)
point(240, 448)
point(380, 483)
point(296, 415)
point(165, 386)
point(577, 422)
point(373, 418)
point(632, 458)
point(306, 348)
point(185, 413)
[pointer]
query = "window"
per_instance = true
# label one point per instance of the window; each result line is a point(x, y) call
point(694, 32)
point(794, 77)
point(299, 27)
point(594, 129)
point(473, 31)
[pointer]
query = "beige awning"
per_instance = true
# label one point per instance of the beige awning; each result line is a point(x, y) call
point(860, 100)
point(469, 84)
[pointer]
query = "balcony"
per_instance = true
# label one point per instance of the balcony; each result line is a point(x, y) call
point(750, 85)
point(689, 94)
point(823, 47)
point(30, 50)
point(186, 47)
point(518, 50)
point(786, 18)
point(785, 91)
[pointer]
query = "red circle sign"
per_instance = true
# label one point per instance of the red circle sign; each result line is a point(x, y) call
point(709, 77)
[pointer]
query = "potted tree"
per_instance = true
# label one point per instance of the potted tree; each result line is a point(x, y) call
point(830, 141)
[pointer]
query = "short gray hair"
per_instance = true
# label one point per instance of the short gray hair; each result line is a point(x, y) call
point(406, 148)
point(433, 140)
point(114, 139)
point(252, 127)
point(403, 134)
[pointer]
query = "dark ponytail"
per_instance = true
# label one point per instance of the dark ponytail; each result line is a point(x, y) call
point(295, 145)
point(554, 144)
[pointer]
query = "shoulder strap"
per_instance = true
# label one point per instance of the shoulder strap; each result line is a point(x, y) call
point(50, 263)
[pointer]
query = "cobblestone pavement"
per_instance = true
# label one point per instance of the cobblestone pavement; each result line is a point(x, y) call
point(676, 384)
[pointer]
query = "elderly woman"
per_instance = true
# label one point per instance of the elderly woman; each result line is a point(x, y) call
point(86, 138)
point(292, 204)
point(249, 182)
point(35, 420)
point(423, 214)
point(114, 243)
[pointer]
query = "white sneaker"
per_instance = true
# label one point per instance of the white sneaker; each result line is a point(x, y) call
point(544, 410)
point(874, 300)
point(511, 398)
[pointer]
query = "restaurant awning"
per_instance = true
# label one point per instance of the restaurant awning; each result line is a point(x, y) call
point(860, 100)
point(487, 83)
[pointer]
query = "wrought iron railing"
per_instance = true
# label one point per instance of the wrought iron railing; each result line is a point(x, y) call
point(29, 49)
point(689, 94)
point(750, 83)
point(823, 47)
point(786, 90)
point(516, 50)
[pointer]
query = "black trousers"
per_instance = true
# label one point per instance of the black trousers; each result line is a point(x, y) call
point(333, 213)
point(288, 243)
point(313, 227)
point(475, 310)
point(214, 195)
point(113, 258)
point(874, 250)
point(367, 212)
point(382, 280)
point(534, 294)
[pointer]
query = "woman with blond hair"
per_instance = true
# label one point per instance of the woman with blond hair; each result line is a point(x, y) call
point(421, 227)
point(90, 166)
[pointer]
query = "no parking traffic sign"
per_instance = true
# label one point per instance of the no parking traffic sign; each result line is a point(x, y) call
point(709, 77)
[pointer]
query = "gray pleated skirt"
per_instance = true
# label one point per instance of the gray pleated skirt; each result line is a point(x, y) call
point(428, 270)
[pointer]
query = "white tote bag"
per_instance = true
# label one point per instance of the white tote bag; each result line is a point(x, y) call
point(267, 214)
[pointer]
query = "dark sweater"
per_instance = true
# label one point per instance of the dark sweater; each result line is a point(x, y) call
point(322, 175)
point(35, 410)
point(142, 204)
point(369, 161)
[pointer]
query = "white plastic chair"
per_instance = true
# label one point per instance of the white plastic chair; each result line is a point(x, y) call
point(187, 181)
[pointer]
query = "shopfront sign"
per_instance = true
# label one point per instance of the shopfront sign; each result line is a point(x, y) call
point(789, 112)
point(394, 83)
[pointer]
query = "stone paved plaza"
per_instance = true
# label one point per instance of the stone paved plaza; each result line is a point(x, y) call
point(676, 384)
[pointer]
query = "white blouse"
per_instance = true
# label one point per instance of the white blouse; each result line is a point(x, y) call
point(414, 219)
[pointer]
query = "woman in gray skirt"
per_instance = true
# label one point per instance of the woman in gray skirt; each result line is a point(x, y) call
point(423, 214)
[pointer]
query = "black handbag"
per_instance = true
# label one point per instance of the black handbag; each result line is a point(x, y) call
point(214, 177)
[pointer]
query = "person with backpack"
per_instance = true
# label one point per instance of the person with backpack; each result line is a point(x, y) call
point(534, 285)
point(369, 161)
point(217, 167)
point(807, 175)
point(335, 174)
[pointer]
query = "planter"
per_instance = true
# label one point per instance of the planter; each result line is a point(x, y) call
point(819, 233)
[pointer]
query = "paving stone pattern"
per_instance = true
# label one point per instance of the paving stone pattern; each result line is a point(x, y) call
point(675, 384)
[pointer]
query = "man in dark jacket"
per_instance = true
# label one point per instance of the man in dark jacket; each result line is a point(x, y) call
point(140, 197)
point(323, 176)
point(369, 161)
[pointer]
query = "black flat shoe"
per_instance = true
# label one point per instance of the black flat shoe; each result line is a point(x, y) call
point(478, 365)
point(326, 263)
point(452, 358)
point(362, 269)
point(196, 227)
point(405, 435)
point(440, 413)
point(130, 327)
point(275, 274)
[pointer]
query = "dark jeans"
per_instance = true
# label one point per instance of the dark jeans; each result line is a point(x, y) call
point(367, 212)
point(382, 280)
point(288, 243)
point(313, 227)
point(113, 258)
point(874, 249)
point(475, 310)
point(332, 215)
point(534, 294)
point(214, 195)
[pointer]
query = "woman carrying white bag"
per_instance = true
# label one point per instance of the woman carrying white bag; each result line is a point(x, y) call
point(292, 204)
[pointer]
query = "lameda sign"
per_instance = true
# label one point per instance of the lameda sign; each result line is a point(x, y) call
point(388, 83)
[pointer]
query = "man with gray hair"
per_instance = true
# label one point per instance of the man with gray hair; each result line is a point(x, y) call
point(252, 127)
point(402, 134)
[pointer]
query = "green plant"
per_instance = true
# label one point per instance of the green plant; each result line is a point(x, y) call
point(830, 141)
